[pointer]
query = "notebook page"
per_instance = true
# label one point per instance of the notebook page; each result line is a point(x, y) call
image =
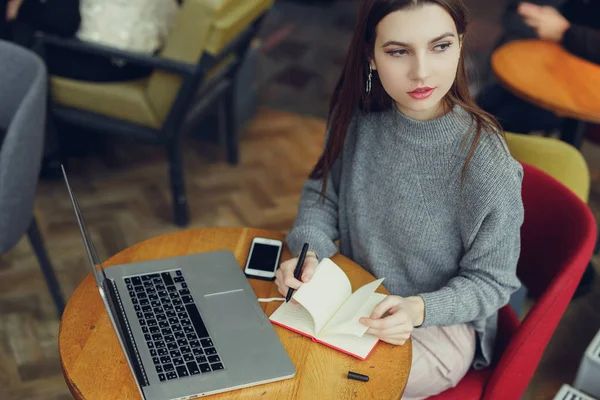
point(360, 304)
point(359, 346)
point(295, 316)
point(327, 290)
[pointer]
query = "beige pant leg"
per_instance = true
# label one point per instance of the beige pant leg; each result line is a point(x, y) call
point(442, 355)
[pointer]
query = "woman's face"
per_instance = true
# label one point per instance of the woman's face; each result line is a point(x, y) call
point(416, 49)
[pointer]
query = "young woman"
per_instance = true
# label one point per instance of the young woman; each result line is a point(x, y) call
point(417, 184)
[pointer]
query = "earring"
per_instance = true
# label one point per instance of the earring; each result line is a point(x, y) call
point(368, 88)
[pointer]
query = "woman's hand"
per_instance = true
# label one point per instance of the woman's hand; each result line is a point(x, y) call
point(284, 276)
point(394, 318)
point(547, 21)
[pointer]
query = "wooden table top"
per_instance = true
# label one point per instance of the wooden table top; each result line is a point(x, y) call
point(95, 367)
point(548, 76)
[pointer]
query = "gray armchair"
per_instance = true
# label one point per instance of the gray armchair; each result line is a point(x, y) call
point(23, 84)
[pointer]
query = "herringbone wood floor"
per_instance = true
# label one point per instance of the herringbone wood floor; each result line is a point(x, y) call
point(125, 199)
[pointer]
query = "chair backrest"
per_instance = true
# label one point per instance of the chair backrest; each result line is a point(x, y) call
point(557, 240)
point(202, 26)
point(558, 159)
point(23, 84)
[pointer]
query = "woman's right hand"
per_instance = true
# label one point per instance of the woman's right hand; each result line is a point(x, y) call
point(284, 276)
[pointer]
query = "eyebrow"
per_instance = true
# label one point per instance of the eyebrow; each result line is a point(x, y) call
point(395, 42)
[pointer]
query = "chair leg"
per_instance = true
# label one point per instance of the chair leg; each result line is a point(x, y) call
point(227, 121)
point(40, 251)
point(180, 206)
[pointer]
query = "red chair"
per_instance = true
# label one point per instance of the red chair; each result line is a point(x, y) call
point(557, 241)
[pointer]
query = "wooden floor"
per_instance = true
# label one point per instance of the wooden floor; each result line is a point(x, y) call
point(125, 198)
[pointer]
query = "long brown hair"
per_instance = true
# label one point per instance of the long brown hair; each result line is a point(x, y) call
point(350, 95)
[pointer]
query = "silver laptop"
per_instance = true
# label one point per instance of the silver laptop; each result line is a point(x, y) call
point(189, 326)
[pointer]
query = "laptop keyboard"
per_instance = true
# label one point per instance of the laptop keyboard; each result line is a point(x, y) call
point(175, 334)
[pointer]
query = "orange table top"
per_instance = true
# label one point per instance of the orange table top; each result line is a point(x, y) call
point(95, 367)
point(548, 76)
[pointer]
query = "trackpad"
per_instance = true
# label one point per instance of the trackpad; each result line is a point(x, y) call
point(232, 310)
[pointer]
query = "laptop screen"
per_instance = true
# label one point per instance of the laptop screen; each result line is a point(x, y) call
point(87, 239)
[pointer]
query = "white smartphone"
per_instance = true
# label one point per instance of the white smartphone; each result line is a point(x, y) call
point(263, 259)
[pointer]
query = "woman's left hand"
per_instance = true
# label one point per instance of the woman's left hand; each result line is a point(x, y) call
point(394, 318)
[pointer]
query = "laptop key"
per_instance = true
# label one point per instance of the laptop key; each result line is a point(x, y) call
point(130, 287)
point(168, 367)
point(168, 308)
point(166, 331)
point(205, 368)
point(177, 302)
point(186, 322)
point(139, 289)
point(176, 327)
point(144, 302)
point(131, 293)
point(163, 324)
point(160, 286)
point(201, 359)
point(178, 279)
point(182, 371)
point(196, 320)
point(180, 334)
point(148, 315)
point(171, 375)
point(178, 361)
point(182, 315)
point(142, 322)
point(136, 280)
point(136, 307)
point(171, 313)
point(155, 360)
point(156, 336)
point(169, 338)
point(175, 353)
point(194, 343)
point(210, 351)
point(187, 299)
point(178, 273)
point(171, 289)
point(163, 352)
point(184, 292)
point(216, 366)
point(155, 303)
point(191, 336)
point(159, 369)
point(184, 285)
point(213, 359)
point(134, 300)
point(146, 308)
point(127, 280)
point(185, 349)
point(172, 346)
point(145, 329)
point(147, 336)
point(167, 278)
point(161, 317)
point(152, 297)
point(145, 278)
point(188, 357)
point(139, 314)
point(154, 329)
point(152, 322)
point(193, 367)
point(181, 342)
point(198, 351)
point(165, 359)
point(142, 296)
point(162, 377)
point(206, 342)
point(160, 344)
point(153, 353)
point(162, 293)
point(173, 320)
point(188, 329)
point(150, 345)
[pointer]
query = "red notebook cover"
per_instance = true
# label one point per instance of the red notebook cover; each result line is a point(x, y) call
point(314, 339)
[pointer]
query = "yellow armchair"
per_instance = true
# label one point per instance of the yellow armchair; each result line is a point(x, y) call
point(557, 158)
point(201, 57)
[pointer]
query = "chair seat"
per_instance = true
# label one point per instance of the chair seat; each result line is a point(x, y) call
point(122, 100)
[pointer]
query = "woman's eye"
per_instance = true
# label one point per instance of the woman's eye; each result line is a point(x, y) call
point(442, 46)
point(399, 52)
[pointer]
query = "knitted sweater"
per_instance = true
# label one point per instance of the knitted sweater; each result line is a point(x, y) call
point(394, 201)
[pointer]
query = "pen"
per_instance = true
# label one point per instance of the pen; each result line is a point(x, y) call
point(297, 270)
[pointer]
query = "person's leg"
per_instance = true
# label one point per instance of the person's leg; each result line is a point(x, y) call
point(442, 355)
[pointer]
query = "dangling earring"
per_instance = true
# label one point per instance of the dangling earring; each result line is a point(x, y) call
point(368, 88)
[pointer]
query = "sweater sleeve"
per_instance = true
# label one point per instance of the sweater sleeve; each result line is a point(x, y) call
point(317, 220)
point(58, 17)
point(491, 219)
point(583, 41)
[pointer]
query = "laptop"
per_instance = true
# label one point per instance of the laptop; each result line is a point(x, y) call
point(189, 326)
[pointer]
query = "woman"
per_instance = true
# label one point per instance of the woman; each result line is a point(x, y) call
point(417, 184)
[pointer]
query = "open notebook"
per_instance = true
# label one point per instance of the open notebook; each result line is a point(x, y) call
point(328, 311)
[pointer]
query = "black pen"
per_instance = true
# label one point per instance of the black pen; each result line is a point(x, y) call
point(297, 270)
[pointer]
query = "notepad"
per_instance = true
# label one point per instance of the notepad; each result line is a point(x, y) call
point(328, 312)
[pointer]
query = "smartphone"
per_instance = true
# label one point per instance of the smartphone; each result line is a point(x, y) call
point(263, 258)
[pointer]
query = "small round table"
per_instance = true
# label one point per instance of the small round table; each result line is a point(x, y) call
point(95, 367)
point(548, 76)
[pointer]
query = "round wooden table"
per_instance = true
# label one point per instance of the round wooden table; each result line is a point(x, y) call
point(548, 76)
point(95, 367)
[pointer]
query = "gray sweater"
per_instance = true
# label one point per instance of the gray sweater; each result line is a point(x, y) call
point(395, 204)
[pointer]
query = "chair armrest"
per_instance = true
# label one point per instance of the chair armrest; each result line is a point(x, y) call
point(76, 45)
